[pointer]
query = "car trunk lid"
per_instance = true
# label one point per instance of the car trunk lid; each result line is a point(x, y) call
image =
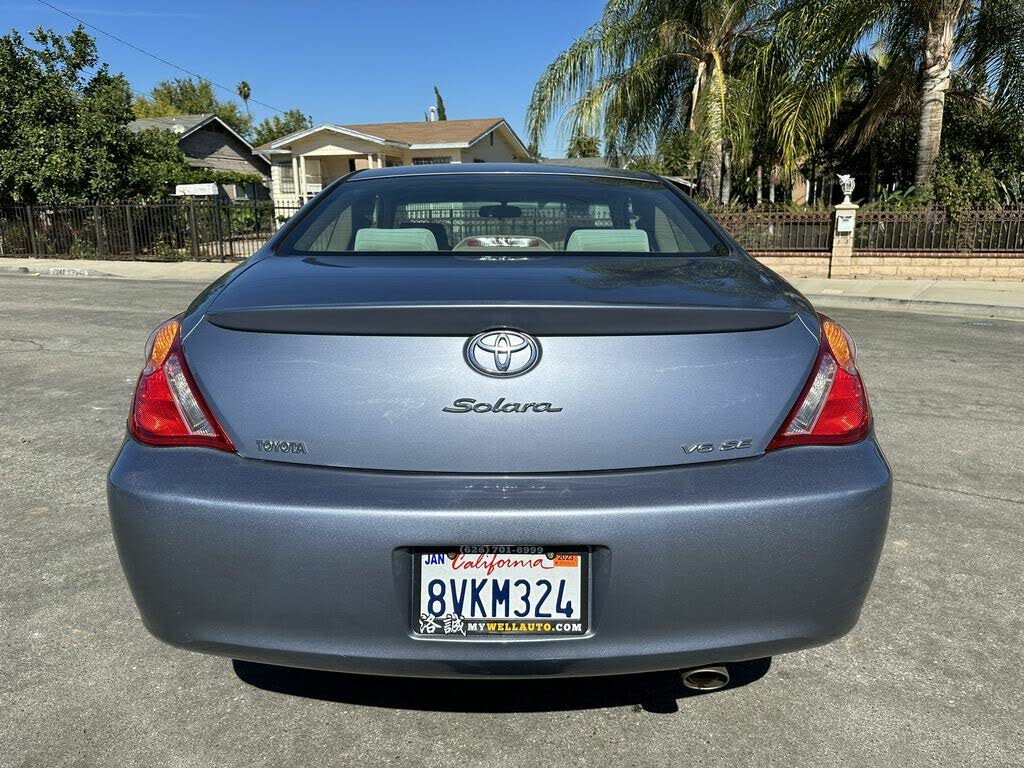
point(361, 361)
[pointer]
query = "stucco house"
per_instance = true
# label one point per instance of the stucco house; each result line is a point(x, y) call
point(209, 142)
point(304, 162)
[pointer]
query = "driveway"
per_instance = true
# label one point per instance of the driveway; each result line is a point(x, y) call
point(931, 675)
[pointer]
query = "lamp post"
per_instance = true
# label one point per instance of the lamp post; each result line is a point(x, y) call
point(847, 184)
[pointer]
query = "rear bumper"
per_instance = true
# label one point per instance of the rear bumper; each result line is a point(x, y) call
point(309, 567)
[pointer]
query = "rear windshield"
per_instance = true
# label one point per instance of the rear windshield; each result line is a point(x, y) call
point(501, 212)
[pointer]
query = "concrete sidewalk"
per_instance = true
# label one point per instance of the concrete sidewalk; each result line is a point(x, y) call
point(203, 271)
point(959, 297)
point(981, 299)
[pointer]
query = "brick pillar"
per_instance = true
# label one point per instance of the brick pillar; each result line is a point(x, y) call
point(840, 264)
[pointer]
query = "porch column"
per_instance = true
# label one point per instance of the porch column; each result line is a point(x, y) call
point(302, 175)
point(295, 177)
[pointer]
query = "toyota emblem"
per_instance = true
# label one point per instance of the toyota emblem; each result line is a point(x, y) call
point(502, 353)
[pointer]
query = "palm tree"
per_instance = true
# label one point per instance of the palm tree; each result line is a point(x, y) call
point(582, 145)
point(924, 38)
point(881, 97)
point(244, 92)
point(781, 111)
point(648, 68)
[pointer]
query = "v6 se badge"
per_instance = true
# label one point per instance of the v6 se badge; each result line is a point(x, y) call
point(728, 445)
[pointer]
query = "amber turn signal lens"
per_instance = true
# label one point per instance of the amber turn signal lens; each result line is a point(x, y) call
point(841, 344)
point(160, 344)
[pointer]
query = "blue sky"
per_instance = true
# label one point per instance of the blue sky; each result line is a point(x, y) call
point(344, 62)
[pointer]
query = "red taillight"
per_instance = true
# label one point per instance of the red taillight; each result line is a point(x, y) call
point(833, 408)
point(168, 409)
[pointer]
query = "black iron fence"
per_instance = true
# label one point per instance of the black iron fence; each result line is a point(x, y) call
point(789, 231)
point(552, 224)
point(939, 232)
point(217, 230)
point(171, 231)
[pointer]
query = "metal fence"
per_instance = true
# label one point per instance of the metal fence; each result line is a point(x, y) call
point(938, 232)
point(553, 225)
point(172, 231)
point(218, 230)
point(809, 231)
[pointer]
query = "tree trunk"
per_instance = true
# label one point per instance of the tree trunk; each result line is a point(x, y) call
point(698, 84)
point(771, 185)
point(938, 66)
point(726, 175)
point(710, 184)
point(874, 174)
point(760, 186)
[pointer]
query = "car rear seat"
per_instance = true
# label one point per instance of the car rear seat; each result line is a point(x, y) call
point(405, 239)
point(631, 240)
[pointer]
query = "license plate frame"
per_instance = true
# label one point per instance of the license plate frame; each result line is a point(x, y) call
point(513, 628)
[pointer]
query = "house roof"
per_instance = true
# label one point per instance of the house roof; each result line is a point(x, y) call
point(435, 132)
point(180, 124)
point(483, 169)
point(184, 125)
point(579, 162)
point(412, 134)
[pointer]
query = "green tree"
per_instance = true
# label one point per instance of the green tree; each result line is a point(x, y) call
point(276, 126)
point(652, 67)
point(781, 112)
point(244, 91)
point(64, 125)
point(581, 145)
point(157, 163)
point(928, 38)
point(982, 151)
point(186, 96)
point(441, 114)
point(872, 135)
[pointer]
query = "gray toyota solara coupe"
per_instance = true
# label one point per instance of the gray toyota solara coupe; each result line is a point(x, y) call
point(500, 420)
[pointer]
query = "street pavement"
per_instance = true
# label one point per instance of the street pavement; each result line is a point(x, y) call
point(930, 676)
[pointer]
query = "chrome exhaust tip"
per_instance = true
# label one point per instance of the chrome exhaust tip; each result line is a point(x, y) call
point(705, 679)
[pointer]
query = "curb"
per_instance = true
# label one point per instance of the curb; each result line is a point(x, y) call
point(915, 305)
point(95, 273)
point(56, 272)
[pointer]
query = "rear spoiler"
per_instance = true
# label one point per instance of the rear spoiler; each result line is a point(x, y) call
point(466, 319)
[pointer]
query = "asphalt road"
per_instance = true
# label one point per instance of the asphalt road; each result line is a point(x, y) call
point(932, 675)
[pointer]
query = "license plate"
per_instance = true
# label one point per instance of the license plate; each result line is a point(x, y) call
point(514, 592)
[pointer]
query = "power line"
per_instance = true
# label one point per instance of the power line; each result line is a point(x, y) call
point(154, 56)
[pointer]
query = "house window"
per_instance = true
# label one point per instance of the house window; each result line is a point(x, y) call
point(285, 178)
point(314, 180)
point(431, 160)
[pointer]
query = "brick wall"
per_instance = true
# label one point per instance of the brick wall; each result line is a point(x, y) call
point(980, 266)
point(898, 266)
point(794, 263)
